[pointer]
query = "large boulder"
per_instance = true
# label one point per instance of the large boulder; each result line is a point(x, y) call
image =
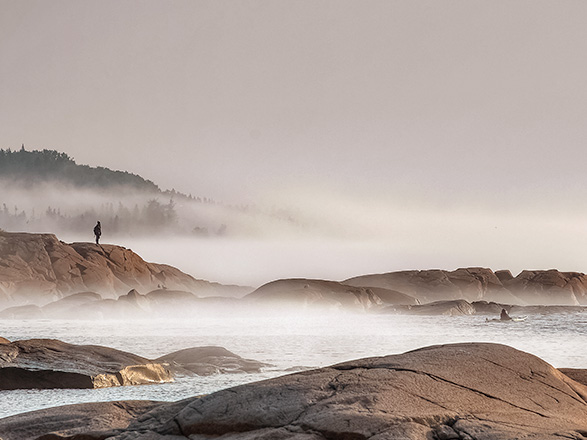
point(49, 363)
point(38, 268)
point(205, 361)
point(471, 391)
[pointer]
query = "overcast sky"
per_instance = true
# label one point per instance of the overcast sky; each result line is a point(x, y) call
point(440, 107)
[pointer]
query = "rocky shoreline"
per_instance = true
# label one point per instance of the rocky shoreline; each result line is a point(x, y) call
point(50, 364)
point(471, 391)
point(44, 278)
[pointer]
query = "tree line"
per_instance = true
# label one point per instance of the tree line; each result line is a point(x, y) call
point(149, 218)
point(34, 167)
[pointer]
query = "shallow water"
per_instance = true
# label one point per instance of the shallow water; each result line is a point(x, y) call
point(287, 342)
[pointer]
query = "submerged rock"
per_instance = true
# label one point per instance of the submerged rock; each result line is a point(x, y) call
point(467, 391)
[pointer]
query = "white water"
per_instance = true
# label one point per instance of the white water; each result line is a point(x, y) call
point(286, 342)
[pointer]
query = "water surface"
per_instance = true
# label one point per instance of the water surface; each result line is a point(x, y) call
point(289, 343)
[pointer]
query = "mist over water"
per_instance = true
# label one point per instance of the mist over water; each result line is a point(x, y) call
point(337, 139)
point(305, 232)
point(289, 343)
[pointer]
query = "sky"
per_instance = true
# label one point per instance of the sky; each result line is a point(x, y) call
point(452, 125)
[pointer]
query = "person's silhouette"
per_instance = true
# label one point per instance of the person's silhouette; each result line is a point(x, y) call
point(98, 232)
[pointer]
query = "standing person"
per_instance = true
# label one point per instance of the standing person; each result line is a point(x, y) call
point(98, 231)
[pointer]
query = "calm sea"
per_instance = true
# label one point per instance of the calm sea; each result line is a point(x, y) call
point(289, 343)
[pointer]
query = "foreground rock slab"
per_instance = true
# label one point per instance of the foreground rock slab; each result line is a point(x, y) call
point(49, 363)
point(460, 391)
point(64, 421)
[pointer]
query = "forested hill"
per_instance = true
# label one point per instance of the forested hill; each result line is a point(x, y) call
point(31, 167)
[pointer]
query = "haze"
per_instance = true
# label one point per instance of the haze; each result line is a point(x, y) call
point(403, 134)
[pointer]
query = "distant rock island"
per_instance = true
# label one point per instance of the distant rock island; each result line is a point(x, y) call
point(535, 287)
point(43, 277)
point(471, 391)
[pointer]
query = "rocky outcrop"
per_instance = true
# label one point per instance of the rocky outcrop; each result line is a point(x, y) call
point(38, 268)
point(458, 391)
point(205, 361)
point(549, 287)
point(323, 294)
point(49, 363)
point(471, 284)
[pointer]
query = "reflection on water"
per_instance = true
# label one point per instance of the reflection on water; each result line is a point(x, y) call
point(286, 342)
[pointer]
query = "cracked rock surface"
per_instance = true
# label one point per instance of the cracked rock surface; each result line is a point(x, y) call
point(460, 391)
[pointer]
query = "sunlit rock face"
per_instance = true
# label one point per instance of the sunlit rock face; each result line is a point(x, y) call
point(38, 268)
point(470, 391)
point(49, 363)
